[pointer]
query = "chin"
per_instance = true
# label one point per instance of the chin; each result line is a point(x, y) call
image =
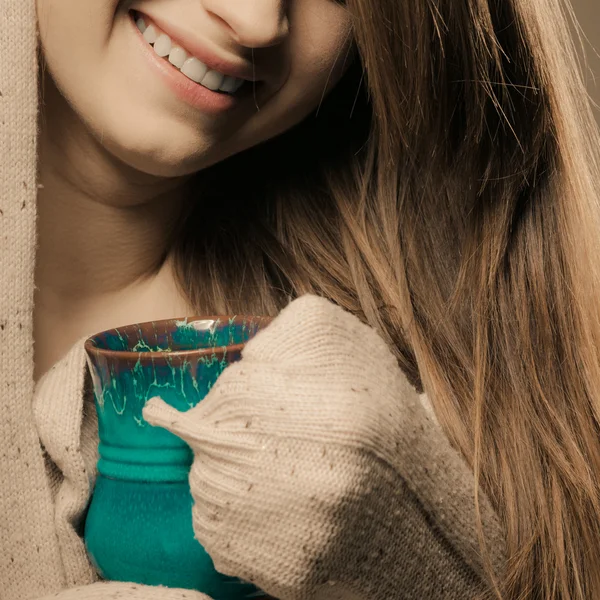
point(159, 163)
point(159, 154)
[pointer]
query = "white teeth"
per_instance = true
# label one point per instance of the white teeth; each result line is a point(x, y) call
point(162, 46)
point(150, 34)
point(213, 80)
point(141, 25)
point(231, 85)
point(228, 84)
point(194, 69)
point(190, 66)
point(177, 56)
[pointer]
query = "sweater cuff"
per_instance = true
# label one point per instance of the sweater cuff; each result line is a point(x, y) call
point(118, 590)
point(390, 547)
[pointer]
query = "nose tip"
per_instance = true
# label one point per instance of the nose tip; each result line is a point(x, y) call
point(252, 23)
point(262, 35)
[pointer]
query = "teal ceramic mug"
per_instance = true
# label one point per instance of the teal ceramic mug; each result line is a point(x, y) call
point(139, 523)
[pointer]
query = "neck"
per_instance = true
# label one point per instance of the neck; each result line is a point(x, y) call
point(88, 248)
point(103, 235)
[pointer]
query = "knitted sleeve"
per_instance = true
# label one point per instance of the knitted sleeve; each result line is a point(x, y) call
point(113, 590)
point(320, 474)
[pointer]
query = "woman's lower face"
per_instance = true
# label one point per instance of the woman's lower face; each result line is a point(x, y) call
point(168, 87)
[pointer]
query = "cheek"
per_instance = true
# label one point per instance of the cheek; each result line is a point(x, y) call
point(319, 51)
point(71, 28)
point(319, 46)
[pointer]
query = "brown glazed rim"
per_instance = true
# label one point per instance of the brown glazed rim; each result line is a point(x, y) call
point(89, 345)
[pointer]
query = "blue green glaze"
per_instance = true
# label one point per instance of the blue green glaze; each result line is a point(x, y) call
point(139, 525)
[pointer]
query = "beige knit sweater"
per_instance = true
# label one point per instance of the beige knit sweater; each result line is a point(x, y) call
point(410, 533)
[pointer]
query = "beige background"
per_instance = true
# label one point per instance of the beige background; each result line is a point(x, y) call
point(588, 14)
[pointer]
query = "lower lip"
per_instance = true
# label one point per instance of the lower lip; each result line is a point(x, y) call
point(185, 89)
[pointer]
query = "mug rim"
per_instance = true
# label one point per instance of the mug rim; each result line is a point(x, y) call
point(91, 348)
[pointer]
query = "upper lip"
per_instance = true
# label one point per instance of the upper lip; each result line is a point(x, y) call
point(210, 59)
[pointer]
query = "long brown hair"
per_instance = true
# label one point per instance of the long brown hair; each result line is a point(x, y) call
point(446, 192)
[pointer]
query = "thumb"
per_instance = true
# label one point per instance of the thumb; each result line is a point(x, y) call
point(192, 426)
point(160, 414)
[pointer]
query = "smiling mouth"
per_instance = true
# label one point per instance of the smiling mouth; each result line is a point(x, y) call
point(187, 64)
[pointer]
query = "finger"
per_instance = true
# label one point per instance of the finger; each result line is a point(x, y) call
point(189, 425)
point(160, 414)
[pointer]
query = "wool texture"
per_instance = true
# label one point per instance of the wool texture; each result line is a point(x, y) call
point(319, 472)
